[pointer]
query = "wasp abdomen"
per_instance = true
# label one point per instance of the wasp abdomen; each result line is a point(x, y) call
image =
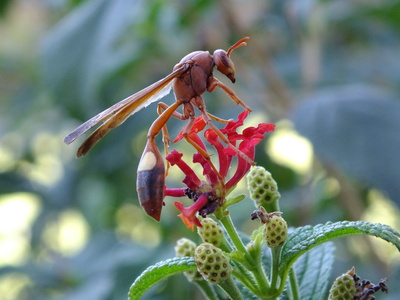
point(151, 180)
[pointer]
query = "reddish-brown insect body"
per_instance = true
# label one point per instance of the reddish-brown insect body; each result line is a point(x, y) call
point(150, 180)
point(190, 79)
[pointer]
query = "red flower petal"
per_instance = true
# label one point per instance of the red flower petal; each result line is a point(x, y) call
point(198, 126)
point(211, 176)
point(191, 179)
point(224, 160)
point(231, 127)
point(188, 214)
point(179, 192)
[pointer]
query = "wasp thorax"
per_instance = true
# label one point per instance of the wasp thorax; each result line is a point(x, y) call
point(224, 64)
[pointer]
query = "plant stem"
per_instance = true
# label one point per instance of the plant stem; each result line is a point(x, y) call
point(294, 286)
point(226, 221)
point(206, 289)
point(262, 280)
point(275, 267)
point(274, 206)
point(225, 246)
point(244, 275)
point(246, 278)
point(254, 266)
point(231, 289)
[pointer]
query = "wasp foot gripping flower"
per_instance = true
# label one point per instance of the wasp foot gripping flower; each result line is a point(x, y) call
point(210, 231)
point(263, 188)
point(212, 263)
point(185, 247)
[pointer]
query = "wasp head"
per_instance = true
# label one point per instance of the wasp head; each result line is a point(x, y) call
point(224, 64)
point(223, 61)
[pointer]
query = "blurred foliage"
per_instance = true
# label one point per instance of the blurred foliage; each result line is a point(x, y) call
point(72, 229)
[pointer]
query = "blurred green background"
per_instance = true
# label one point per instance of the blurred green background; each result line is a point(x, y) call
point(326, 72)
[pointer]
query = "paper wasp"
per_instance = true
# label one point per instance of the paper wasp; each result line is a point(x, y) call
point(190, 79)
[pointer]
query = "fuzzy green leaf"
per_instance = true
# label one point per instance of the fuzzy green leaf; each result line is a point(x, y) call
point(305, 238)
point(158, 272)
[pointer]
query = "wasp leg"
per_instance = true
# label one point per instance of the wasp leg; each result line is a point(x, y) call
point(219, 119)
point(229, 92)
point(199, 102)
point(166, 140)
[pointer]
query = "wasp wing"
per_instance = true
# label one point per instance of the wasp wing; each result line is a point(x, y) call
point(133, 103)
point(119, 112)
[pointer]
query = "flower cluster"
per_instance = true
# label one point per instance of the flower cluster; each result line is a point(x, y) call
point(210, 193)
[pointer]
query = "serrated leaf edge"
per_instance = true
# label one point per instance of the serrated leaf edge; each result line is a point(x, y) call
point(160, 271)
point(305, 238)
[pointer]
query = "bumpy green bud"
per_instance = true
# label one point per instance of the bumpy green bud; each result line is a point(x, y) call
point(343, 287)
point(275, 230)
point(185, 247)
point(263, 188)
point(211, 232)
point(212, 263)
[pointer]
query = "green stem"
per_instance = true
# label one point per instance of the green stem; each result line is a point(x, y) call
point(294, 286)
point(252, 265)
point(256, 280)
point(225, 246)
point(207, 290)
point(226, 221)
point(274, 206)
point(245, 277)
point(275, 267)
point(231, 289)
point(284, 277)
point(262, 280)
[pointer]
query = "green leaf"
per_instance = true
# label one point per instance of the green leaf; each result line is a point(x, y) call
point(305, 238)
point(158, 272)
point(313, 271)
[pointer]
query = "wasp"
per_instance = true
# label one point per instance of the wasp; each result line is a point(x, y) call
point(190, 79)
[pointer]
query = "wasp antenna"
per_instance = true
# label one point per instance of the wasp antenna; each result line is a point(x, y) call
point(239, 43)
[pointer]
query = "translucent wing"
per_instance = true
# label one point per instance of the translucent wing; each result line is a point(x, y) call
point(115, 115)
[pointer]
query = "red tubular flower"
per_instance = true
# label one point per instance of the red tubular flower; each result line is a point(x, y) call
point(250, 138)
point(188, 214)
point(191, 179)
point(224, 160)
point(211, 192)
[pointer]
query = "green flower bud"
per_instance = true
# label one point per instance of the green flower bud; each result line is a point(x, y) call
point(343, 287)
point(275, 230)
point(263, 188)
point(212, 263)
point(211, 232)
point(185, 247)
